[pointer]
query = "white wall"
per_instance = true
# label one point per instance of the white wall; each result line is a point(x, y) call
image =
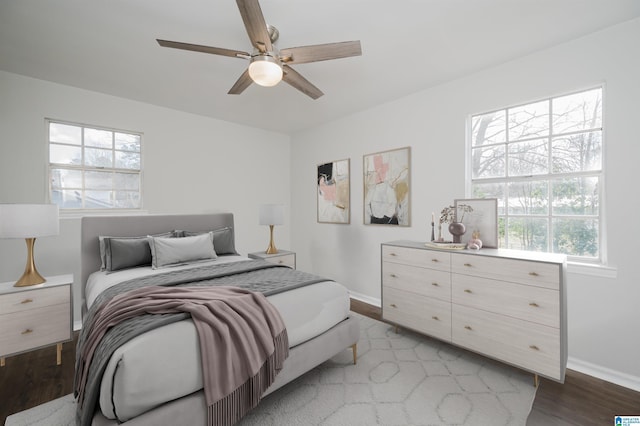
point(603, 321)
point(192, 164)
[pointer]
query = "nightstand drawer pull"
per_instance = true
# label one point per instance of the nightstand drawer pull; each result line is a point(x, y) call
point(27, 331)
point(534, 347)
point(466, 290)
point(393, 305)
point(435, 284)
point(534, 304)
point(26, 301)
point(468, 327)
point(435, 318)
point(533, 274)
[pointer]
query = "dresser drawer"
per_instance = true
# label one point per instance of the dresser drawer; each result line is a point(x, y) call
point(416, 257)
point(427, 282)
point(30, 329)
point(531, 346)
point(33, 299)
point(419, 313)
point(520, 271)
point(535, 304)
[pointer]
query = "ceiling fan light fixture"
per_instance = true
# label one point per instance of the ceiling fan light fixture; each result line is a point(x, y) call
point(265, 70)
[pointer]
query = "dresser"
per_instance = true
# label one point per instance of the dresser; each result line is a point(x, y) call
point(282, 257)
point(36, 316)
point(505, 304)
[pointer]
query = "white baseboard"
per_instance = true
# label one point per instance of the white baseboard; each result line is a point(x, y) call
point(366, 299)
point(607, 374)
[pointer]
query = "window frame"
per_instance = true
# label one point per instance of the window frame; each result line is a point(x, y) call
point(549, 176)
point(84, 211)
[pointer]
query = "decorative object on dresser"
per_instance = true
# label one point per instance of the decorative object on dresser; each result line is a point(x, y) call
point(29, 221)
point(333, 192)
point(387, 187)
point(271, 215)
point(34, 317)
point(481, 220)
point(506, 304)
point(283, 257)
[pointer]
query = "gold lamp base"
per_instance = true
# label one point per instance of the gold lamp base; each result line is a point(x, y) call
point(31, 276)
point(272, 247)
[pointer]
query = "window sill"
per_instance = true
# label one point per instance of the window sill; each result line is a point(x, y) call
point(77, 214)
point(592, 270)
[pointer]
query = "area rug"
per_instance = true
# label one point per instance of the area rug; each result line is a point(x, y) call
point(400, 379)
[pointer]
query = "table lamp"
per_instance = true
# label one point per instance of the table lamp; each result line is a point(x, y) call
point(271, 214)
point(29, 221)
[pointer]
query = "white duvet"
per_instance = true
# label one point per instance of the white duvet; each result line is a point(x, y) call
point(164, 364)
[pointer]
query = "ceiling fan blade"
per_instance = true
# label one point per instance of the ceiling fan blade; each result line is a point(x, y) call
point(294, 78)
point(203, 49)
point(320, 52)
point(243, 82)
point(255, 24)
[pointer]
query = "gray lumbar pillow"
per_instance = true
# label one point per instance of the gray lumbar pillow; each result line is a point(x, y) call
point(223, 239)
point(174, 251)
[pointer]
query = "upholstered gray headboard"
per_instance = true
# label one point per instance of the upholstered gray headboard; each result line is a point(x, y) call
point(130, 226)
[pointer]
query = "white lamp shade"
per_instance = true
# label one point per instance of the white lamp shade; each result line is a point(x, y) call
point(271, 214)
point(265, 71)
point(28, 220)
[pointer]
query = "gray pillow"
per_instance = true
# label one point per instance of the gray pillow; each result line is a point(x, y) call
point(223, 239)
point(178, 251)
point(126, 252)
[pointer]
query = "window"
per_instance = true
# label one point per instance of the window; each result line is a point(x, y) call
point(93, 168)
point(543, 162)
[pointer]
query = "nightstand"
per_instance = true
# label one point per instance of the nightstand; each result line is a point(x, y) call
point(282, 257)
point(36, 316)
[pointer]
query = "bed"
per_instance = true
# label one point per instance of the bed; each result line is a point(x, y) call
point(155, 378)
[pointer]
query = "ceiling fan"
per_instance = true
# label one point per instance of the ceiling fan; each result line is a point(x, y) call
point(268, 64)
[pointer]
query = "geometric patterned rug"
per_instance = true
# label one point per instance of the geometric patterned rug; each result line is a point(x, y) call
point(401, 378)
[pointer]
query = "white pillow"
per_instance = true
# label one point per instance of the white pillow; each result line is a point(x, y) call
point(174, 251)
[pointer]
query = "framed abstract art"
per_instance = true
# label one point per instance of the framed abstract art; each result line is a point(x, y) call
point(333, 192)
point(387, 187)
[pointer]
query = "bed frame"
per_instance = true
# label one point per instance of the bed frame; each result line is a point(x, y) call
point(192, 409)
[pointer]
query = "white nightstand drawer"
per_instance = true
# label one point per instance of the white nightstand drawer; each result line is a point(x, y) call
point(415, 257)
point(31, 329)
point(33, 299)
point(427, 282)
point(285, 259)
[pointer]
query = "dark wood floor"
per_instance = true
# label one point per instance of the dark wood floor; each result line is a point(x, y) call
point(33, 378)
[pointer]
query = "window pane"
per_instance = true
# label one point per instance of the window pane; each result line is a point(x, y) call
point(128, 181)
point(127, 142)
point(98, 138)
point(577, 237)
point(576, 196)
point(577, 153)
point(67, 198)
point(98, 157)
point(528, 198)
point(490, 190)
point(527, 233)
point(64, 133)
point(488, 128)
point(580, 111)
point(488, 162)
point(98, 180)
point(63, 178)
point(65, 154)
point(98, 200)
point(127, 160)
point(529, 121)
point(529, 158)
point(127, 199)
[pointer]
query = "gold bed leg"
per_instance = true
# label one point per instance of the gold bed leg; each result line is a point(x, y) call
point(59, 354)
point(536, 380)
point(1, 362)
point(396, 329)
point(354, 348)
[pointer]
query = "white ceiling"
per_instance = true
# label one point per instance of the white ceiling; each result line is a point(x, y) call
point(109, 46)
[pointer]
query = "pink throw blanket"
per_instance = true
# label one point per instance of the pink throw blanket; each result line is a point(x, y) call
point(243, 340)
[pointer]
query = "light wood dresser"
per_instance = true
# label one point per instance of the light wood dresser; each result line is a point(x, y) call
point(505, 304)
point(36, 316)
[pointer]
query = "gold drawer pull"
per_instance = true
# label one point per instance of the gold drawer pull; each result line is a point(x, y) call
point(392, 254)
point(435, 318)
point(468, 265)
point(27, 331)
point(26, 301)
point(534, 347)
point(435, 260)
point(280, 261)
point(393, 305)
point(393, 276)
point(533, 274)
point(435, 284)
point(466, 290)
point(468, 327)
point(534, 304)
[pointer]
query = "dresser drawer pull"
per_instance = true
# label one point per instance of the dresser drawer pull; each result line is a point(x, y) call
point(468, 327)
point(392, 254)
point(534, 347)
point(27, 331)
point(533, 274)
point(435, 284)
point(393, 305)
point(393, 276)
point(435, 318)
point(26, 301)
point(435, 260)
point(466, 290)
point(468, 265)
point(534, 304)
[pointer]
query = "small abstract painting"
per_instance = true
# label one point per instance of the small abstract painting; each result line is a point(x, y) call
point(333, 192)
point(386, 187)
